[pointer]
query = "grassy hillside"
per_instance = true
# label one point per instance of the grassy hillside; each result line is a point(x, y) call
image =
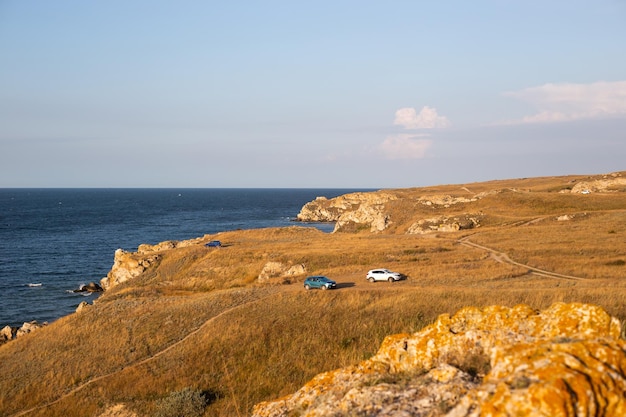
point(201, 319)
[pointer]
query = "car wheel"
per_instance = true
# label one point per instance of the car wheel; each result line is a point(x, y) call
point(390, 279)
point(307, 287)
point(324, 287)
point(371, 279)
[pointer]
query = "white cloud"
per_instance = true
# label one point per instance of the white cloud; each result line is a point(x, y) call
point(405, 146)
point(426, 119)
point(566, 102)
point(412, 146)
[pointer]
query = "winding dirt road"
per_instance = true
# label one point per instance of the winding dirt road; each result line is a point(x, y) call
point(504, 258)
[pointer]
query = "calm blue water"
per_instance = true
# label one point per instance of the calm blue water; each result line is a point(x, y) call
point(62, 238)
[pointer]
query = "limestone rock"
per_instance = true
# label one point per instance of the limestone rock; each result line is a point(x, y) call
point(83, 305)
point(567, 360)
point(275, 269)
point(147, 248)
point(610, 182)
point(372, 216)
point(128, 265)
point(446, 200)
point(7, 333)
point(118, 410)
point(357, 211)
point(295, 270)
point(355, 208)
point(29, 327)
point(444, 224)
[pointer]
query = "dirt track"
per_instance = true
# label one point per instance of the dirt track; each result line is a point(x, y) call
point(504, 258)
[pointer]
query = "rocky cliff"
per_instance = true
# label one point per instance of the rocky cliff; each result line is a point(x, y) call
point(128, 265)
point(375, 211)
point(568, 360)
point(361, 208)
point(371, 211)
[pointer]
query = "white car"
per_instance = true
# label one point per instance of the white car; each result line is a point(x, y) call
point(383, 275)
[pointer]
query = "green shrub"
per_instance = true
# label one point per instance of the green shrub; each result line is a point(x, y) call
point(187, 402)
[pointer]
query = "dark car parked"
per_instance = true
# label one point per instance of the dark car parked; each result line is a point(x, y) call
point(319, 281)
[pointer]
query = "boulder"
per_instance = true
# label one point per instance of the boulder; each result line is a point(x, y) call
point(83, 305)
point(567, 360)
point(118, 410)
point(29, 327)
point(91, 287)
point(275, 269)
point(7, 333)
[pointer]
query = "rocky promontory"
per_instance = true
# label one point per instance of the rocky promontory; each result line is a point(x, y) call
point(361, 208)
point(128, 265)
point(567, 360)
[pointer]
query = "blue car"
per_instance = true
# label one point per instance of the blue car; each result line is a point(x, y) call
point(214, 244)
point(319, 281)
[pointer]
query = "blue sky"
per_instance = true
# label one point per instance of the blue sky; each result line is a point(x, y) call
point(338, 93)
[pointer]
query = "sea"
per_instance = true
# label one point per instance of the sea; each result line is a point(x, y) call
point(53, 241)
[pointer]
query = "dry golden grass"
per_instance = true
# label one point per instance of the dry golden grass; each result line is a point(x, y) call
point(200, 319)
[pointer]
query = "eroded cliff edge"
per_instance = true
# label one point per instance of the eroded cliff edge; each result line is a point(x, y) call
point(567, 360)
point(440, 209)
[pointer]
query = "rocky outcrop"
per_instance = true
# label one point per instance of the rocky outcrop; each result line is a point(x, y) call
point(91, 287)
point(275, 269)
point(350, 209)
point(446, 200)
point(565, 361)
point(128, 265)
point(82, 306)
point(444, 224)
point(146, 248)
point(29, 327)
point(369, 216)
point(359, 211)
point(118, 410)
point(607, 183)
point(9, 333)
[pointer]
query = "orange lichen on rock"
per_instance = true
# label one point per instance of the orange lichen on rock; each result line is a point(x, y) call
point(567, 360)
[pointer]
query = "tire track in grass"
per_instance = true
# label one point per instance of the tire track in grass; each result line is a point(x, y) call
point(504, 258)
